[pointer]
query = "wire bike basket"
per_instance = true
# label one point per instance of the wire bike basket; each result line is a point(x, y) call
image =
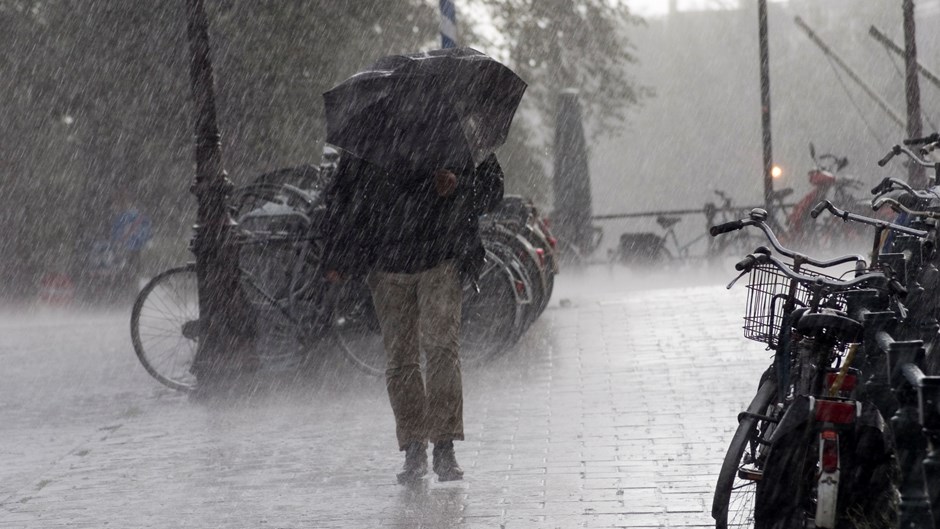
point(768, 292)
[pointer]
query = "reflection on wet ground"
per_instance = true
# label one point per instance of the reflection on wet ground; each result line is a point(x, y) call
point(612, 411)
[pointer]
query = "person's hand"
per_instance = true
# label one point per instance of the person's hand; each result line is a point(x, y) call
point(333, 276)
point(445, 182)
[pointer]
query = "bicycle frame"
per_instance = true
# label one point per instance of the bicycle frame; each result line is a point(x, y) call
point(302, 282)
point(830, 410)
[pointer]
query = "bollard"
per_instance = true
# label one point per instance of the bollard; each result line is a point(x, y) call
point(929, 405)
point(877, 386)
point(904, 359)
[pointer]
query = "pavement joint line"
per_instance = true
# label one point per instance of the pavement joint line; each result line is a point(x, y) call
point(579, 435)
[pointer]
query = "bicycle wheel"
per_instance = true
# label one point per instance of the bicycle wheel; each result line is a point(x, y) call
point(280, 281)
point(513, 247)
point(491, 318)
point(867, 496)
point(165, 327)
point(355, 327)
point(280, 268)
point(735, 492)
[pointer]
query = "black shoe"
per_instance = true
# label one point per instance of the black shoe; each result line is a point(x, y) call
point(445, 462)
point(416, 463)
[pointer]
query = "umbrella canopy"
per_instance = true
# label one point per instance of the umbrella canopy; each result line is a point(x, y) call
point(443, 108)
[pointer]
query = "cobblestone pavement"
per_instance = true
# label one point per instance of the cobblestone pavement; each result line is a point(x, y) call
point(613, 411)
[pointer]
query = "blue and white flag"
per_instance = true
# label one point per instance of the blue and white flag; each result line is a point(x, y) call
point(448, 24)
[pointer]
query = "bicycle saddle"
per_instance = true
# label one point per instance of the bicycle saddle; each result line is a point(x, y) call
point(667, 222)
point(781, 194)
point(830, 324)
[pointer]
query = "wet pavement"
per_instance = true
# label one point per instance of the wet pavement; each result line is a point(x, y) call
point(613, 411)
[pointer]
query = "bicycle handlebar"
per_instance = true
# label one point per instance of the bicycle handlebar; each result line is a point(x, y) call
point(883, 187)
point(888, 184)
point(897, 149)
point(930, 138)
point(734, 225)
point(929, 148)
point(819, 208)
point(825, 205)
point(746, 264)
point(874, 279)
point(901, 208)
point(750, 260)
point(757, 218)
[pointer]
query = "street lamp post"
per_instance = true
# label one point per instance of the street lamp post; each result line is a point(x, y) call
point(916, 173)
point(765, 104)
point(223, 334)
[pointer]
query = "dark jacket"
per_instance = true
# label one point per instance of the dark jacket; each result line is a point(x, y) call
point(395, 221)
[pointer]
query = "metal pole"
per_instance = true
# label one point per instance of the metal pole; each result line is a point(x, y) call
point(929, 398)
point(765, 105)
point(852, 75)
point(904, 359)
point(916, 174)
point(216, 260)
point(878, 35)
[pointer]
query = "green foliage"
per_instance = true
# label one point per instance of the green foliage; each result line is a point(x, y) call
point(581, 44)
point(275, 59)
point(554, 45)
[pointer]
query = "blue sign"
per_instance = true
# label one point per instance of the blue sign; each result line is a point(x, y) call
point(131, 231)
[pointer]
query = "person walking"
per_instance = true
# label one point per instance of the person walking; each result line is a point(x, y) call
point(416, 239)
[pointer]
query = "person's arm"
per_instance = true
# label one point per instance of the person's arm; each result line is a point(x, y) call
point(356, 202)
point(487, 185)
point(337, 220)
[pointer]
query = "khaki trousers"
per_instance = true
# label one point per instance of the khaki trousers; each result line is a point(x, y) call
point(418, 312)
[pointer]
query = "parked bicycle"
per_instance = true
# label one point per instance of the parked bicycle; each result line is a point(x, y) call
point(796, 459)
point(827, 184)
point(649, 249)
point(915, 257)
point(298, 313)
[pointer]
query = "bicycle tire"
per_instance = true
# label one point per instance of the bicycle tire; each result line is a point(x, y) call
point(787, 497)
point(523, 252)
point(354, 328)
point(491, 319)
point(867, 494)
point(168, 316)
point(734, 496)
point(520, 273)
point(280, 266)
point(495, 324)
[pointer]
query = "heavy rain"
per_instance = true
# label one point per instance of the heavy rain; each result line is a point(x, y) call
point(463, 264)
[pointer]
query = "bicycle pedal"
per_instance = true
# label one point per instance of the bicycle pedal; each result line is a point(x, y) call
point(750, 474)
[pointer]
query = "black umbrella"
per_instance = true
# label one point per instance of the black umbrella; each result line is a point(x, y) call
point(443, 108)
